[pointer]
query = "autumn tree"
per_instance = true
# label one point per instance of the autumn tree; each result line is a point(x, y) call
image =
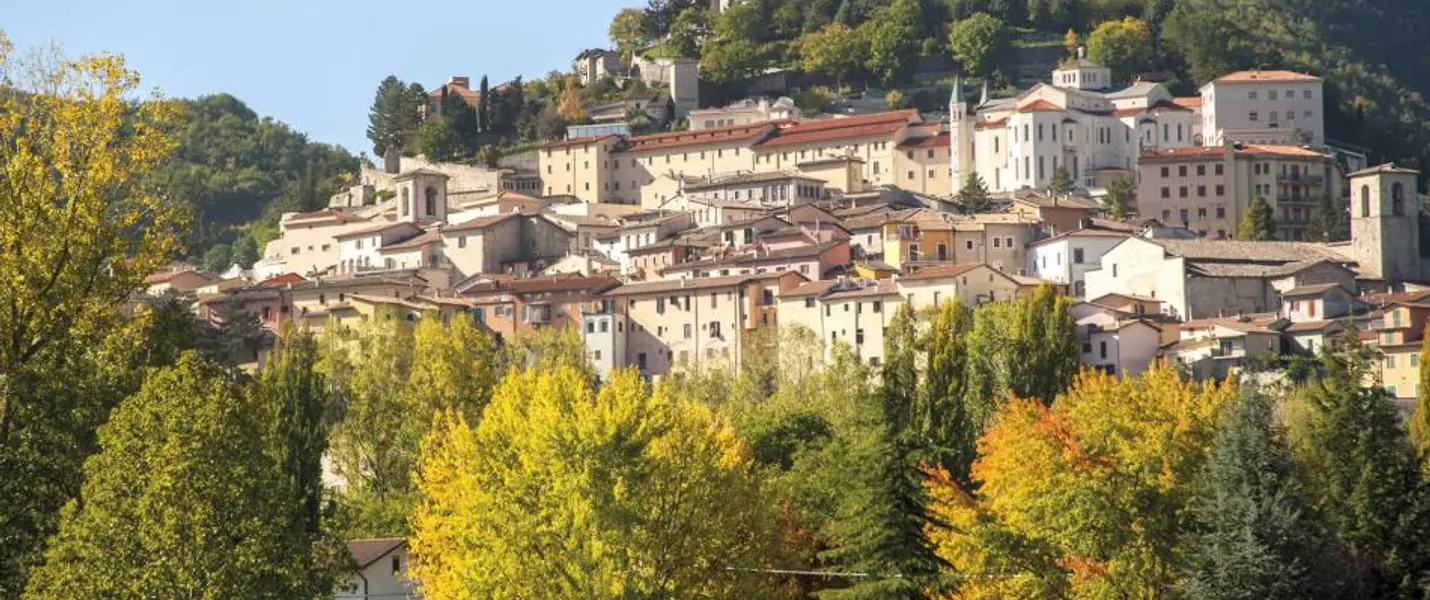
point(654, 496)
point(1419, 425)
point(1071, 43)
point(836, 50)
point(459, 365)
point(979, 43)
point(1258, 223)
point(1123, 46)
point(1253, 535)
point(181, 460)
point(1362, 473)
point(1087, 498)
point(569, 106)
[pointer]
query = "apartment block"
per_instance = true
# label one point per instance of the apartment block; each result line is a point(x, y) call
point(1264, 107)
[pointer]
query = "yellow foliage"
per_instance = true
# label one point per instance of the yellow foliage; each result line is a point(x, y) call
point(560, 492)
point(1084, 498)
point(569, 105)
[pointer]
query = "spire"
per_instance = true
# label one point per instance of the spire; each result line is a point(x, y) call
point(984, 100)
point(957, 96)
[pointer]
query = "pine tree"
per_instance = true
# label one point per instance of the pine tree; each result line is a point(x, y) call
point(393, 117)
point(181, 502)
point(888, 539)
point(1061, 183)
point(1328, 221)
point(973, 197)
point(1362, 473)
point(484, 107)
point(1254, 536)
point(1258, 223)
point(945, 420)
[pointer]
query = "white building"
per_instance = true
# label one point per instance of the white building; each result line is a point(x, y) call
point(1076, 123)
point(745, 112)
point(1114, 342)
point(1065, 259)
point(381, 571)
point(1264, 107)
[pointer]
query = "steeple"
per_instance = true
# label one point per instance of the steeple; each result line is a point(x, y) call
point(984, 99)
point(956, 106)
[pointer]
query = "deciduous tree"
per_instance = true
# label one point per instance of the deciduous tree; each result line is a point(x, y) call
point(979, 42)
point(1123, 46)
point(892, 35)
point(438, 140)
point(836, 49)
point(628, 32)
point(1258, 223)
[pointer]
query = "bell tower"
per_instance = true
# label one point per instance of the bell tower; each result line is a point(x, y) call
point(422, 196)
point(960, 137)
point(1385, 222)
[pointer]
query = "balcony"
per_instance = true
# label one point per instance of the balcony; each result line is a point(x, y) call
point(1301, 178)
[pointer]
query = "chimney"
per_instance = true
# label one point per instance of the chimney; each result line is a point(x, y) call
point(463, 81)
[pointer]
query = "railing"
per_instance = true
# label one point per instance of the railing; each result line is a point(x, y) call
point(1306, 178)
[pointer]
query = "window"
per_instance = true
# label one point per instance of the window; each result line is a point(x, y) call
point(809, 302)
point(1397, 199)
point(590, 327)
point(1166, 192)
point(461, 241)
point(1220, 190)
point(1183, 214)
point(1182, 192)
point(968, 244)
point(1102, 349)
point(605, 326)
point(1365, 201)
point(858, 336)
point(1201, 213)
point(1253, 116)
point(641, 361)
point(1217, 169)
point(878, 306)
point(1220, 211)
point(660, 305)
point(1077, 256)
point(1166, 172)
point(712, 299)
point(1182, 170)
point(1201, 191)
point(687, 331)
point(1390, 361)
point(997, 242)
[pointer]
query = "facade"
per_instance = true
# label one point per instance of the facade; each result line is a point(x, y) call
point(1065, 259)
point(1385, 224)
point(853, 312)
point(971, 283)
point(306, 243)
point(381, 571)
point(745, 112)
point(1264, 107)
point(1209, 189)
point(512, 243)
point(920, 237)
point(512, 307)
point(1399, 339)
point(1113, 342)
point(772, 189)
point(1217, 347)
point(595, 64)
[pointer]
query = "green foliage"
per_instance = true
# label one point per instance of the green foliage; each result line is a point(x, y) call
point(979, 43)
point(1258, 223)
point(836, 49)
point(1362, 473)
point(973, 196)
point(628, 31)
point(892, 35)
point(1121, 193)
point(438, 140)
point(1124, 46)
point(1419, 425)
point(1062, 183)
point(689, 30)
point(1330, 222)
point(394, 116)
point(180, 460)
point(948, 420)
point(1254, 535)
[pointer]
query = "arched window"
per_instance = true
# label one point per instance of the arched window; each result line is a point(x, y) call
point(431, 194)
point(1397, 199)
point(406, 203)
point(1365, 201)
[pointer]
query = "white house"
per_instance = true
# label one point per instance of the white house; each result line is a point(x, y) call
point(1264, 107)
point(1114, 342)
point(1065, 259)
point(381, 571)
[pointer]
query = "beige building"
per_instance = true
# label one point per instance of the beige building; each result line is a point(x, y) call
point(1209, 189)
point(661, 325)
point(969, 283)
point(745, 112)
point(1385, 224)
point(853, 312)
point(306, 243)
point(1264, 107)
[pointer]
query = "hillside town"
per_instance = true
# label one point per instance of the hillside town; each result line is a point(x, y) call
point(657, 326)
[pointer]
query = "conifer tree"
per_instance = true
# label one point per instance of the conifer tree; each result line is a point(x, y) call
point(1062, 183)
point(1253, 535)
point(973, 196)
point(484, 107)
point(1258, 223)
point(1120, 195)
point(947, 422)
point(394, 116)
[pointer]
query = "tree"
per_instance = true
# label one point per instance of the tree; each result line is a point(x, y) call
point(1419, 425)
point(690, 28)
point(292, 402)
point(550, 124)
point(459, 366)
point(180, 460)
point(489, 156)
point(628, 32)
point(569, 106)
point(888, 539)
point(727, 60)
point(1257, 223)
point(245, 251)
point(463, 119)
point(973, 196)
point(439, 141)
point(393, 118)
point(83, 228)
point(1120, 194)
point(1123, 46)
point(1330, 222)
point(234, 339)
point(1253, 534)
point(1362, 473)
point(1071, 43)
point(1062, 183)
point(484, 106)
point(655, 497)
point(892, 38)
point(946, 420)
point(836, 49)
point(1087, 498)
point(217, 259)
point(979, 43)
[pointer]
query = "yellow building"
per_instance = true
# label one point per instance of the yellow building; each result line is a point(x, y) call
point(1399, 339)
point(920, 237)
point(969, 283)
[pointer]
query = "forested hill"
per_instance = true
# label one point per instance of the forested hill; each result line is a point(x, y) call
point(238, 172)
point(1369, 51)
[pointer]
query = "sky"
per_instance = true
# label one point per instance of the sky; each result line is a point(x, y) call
point(315, 64)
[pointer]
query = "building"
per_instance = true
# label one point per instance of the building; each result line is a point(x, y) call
point(1076, 123)
point(1115, 342)
point(918, 237)
point(638, 231)
point(855, 312)
point(680, 77)
point(1208, 189)
point(970, 283)
point(1198, 279)
point(381, 571)
point(655, 106)
point(1059, 214)
point(594, 64)
point(673, 322)
point(812, 260)
point(306, 243)
point(1217, 347)
point(1385, 224)
point(772, 189)
point(745, 112)
point(1066, 258)
point(502, 243)
point(1399, 338)
point(1264, 107)
point(512, 307)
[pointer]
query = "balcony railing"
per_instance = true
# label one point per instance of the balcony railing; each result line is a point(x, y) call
point(1303, 178)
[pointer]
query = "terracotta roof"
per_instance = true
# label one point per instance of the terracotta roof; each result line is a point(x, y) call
point(826, 130)
point(580, 141)
point(1305, 326)
point(283, 279)
point(595, 284)
point(1132, 297)
point(171, 275)
point(739, 134)
point(942, 271)
point(1040, 106)
point(1414, 296)
point(367, 552)
point(1189, 101)
point(1259, 76)
point(1385, 168)
point(699, 283)
point(990, 124)
point(813, 288)
point(928, 141)
point(323, 214)
point(479, 223)
point(1052, 201)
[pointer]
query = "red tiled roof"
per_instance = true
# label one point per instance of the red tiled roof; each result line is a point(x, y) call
point(1218, 152)
point(283, 279)
point(569, 283)
point(580, 141)
point(1189, 101)
point(1258, 76)
point(811, 132)
point(1040, 106)
point(738, 134)
point(942, 271)
point(417, 241)
point(990, 124)
point(322, 214)
point(929, 141)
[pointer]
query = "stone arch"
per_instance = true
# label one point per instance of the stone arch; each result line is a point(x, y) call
point(430, 197)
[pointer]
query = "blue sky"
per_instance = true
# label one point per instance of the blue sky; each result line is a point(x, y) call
point(315, 64)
